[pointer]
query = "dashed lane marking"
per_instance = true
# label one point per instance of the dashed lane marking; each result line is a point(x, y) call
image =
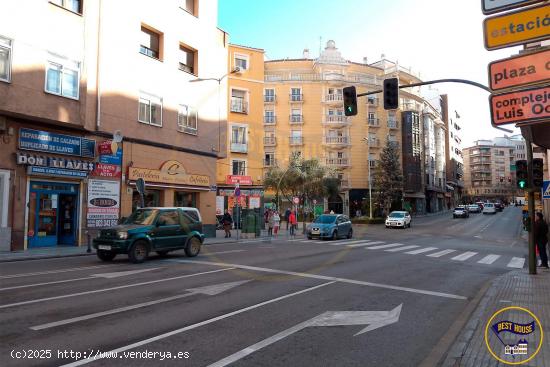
point(422, 250)
point(464, 256)
point(489, 259)
point(384, 246)
point(402, 248)
point(441, 253)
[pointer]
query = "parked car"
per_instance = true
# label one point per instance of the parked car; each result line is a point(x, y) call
point(398, 219)
point(460, 212)
point(152, 229)
point(331, 226)
point(489, 208)
point(499, 207)
point(474, 208)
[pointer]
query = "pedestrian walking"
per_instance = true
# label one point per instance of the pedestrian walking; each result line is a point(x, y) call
point(541, 239)
point(287, 216)
point(227, 221)
point(293, 222)
point(276, 223)
point(270, 223)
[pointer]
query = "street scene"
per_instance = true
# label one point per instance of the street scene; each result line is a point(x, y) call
point(301, 183)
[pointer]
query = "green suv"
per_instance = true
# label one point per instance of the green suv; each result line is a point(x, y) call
point(152, 229)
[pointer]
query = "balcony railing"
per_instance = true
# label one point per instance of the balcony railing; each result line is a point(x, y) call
point(296, 98)
point(336, 119)
point(374, 143)
point(337, 140)
point(296, 140)
point(354, 78)
point(337, 162)
point(272, 162)
point(344, 184)
point(296, 119)
point(270, 141)
point(239, 147)
point(393, 124)
point(334, 97)
point(269, 98)
point(373, 122)
point(239, 105)
point(270, 119)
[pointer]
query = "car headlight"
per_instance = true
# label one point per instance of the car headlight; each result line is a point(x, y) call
point(122, 235)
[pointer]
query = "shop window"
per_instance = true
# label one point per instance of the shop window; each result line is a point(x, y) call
point(188, 199)
point(151, 199)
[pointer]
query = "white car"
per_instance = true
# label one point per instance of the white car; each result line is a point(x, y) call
point(398, 219)
point(489, 208)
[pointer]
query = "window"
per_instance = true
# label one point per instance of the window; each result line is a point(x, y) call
point(187, 60)
point(188, 199)
point(62, 77)
point(189, 6)
point(168, 218)
point(5, 59)
point(187, 119)
point(296, 115)
point(150, 109)
point(238, 134)
point(238, 101)
point(269, 116)
point(295, 137)
point(295, 94)
point(241, 61)
point(269, 95)
point(238, 168)
point(269, 159)
point(72, 5)
point(149, 43)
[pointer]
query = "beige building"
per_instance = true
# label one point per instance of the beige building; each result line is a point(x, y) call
point(81, 74)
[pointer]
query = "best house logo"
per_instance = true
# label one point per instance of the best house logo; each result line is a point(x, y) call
point(514, 335)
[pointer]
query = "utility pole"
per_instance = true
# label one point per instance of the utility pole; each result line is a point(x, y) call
point(528, 135)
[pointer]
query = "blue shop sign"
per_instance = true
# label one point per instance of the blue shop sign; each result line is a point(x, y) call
point(115, 159)
point(59, 172)
point(44, 141)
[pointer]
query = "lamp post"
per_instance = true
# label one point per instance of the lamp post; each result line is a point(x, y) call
point(370, 181)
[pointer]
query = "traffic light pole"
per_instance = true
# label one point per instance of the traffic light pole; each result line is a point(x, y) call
point(528, 135)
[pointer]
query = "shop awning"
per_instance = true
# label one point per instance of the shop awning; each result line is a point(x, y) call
point(171, 186)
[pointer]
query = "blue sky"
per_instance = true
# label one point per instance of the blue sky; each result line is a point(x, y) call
point(438, 38)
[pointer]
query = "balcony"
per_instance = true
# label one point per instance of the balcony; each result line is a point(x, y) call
point(239, 147)
point(337, 140)
point(269, 99)
point(393, 124)
point(270, 120)
point(374, 143)
point(239, 105)
point(296, 119)
point(296, 140)
point(373, 122)
point(372, 102)
point(270, 141)
point(344, 184)
point(336, 120)
point(272, 162)
point(334, 98)
point(337, 162)
point(296, 98)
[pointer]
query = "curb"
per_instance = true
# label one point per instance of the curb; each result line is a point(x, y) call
point(9, 260)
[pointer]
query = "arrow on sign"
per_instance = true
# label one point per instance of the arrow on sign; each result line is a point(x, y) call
point(210, 290)
point(374, 320)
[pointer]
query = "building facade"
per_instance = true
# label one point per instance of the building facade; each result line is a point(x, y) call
point(99, 101)
point(453, 153)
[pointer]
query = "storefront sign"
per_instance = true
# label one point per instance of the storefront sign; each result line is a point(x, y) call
point(44, 141)
point(242, 180)
point(494, 6)
point(523, 106)
point(517, 28)
point(244, 192)
point(58, 172)
point(107, 170)
point(109, 152)
point(54, 162)
point(254, 202)
point(103, 203)
point(520, 70)
point(170, 172)
point(220, 205)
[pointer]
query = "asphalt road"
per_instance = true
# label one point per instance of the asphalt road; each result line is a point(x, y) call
point(386, 299)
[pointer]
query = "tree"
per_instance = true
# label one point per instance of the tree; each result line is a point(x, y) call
point(388, 178)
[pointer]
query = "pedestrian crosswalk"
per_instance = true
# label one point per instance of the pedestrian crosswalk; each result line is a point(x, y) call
point(432, 252)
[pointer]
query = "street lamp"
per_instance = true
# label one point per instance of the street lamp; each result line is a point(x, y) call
point(219, 80)
point(370, 181)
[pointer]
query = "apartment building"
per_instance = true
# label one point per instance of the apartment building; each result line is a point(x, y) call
point(246, 143)
point(92, 101)
point(453, 153)
point(435, 175)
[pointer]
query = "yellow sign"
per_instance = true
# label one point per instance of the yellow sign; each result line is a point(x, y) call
point(516, 28)
point(170, 172)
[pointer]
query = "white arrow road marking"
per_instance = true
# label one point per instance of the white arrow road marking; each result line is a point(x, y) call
point(101, 275)
point(421, 250)
point(54, 271)
point(210, 290)
point(402, 248)
point(374, 320)
point(109, 289)
point(516, 262)
point(441, 253)
point(489, 259)
point(384, 246)
point(194, 326)
point(464, 256)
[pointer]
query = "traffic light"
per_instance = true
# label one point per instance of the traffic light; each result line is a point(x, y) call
point(350, 101)
point(537, 172)
point(391, 94)
point(521, 174)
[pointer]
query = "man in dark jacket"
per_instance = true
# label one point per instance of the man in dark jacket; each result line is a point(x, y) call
point(287, 216)
point(227, 221)
point(541, 239)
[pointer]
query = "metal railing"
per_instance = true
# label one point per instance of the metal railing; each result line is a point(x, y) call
point(239, 147)
point(393, 124)
point(335, 119)
point(374, 122)
point(296, 97)
point(337, 162)
point(296, 140)
point(334, 97)
point(270, 162)
point(238, 105)
point(270, 119)
point(337, 140)
point(296, 119)
point(269, 98)
point(270, 141)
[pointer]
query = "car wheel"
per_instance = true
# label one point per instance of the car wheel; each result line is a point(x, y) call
point(105, 255)
point(193, 247)
point(334, 235)
point(350, 234)
point(162, 253)
point(138, 252)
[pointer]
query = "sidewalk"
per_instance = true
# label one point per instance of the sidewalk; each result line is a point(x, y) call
point(516, 288)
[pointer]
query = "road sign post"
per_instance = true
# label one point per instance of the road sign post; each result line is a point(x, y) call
point(140, 187)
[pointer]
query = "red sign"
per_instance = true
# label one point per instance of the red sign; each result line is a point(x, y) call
point(106, 170)
point(523, 106)
point(104, 147)
point(520, 70)
point(242, 180)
